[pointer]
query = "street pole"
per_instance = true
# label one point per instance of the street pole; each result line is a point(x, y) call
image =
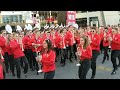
point(87, 19)
point(50, 18)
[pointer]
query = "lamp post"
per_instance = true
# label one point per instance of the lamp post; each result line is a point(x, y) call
point(87, 19)
point(50, 17)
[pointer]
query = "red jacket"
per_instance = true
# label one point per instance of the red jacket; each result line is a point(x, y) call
point(106, 42)
point(16, 49)
point(57, 37)
point(9, 50)
point(70, 38)
point(85, 53)
point(77, 39)
point(101, 36)
point(52, 38)
point(62, 44)
point(95, 44)
point(115, 44)
point(1, 72)
point(3, 44)
point(26, 40)
point(48, 61)
point(36, 41)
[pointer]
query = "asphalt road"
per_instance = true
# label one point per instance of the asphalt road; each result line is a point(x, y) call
point(70, 71)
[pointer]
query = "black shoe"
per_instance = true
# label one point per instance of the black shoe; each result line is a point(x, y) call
point(93, 76)
point(71, 61)
point(103, 62)
point(115, 69)
point(63, 64)
point(37, 73)
point(113, 72)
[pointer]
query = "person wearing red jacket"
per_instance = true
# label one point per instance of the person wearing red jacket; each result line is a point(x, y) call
point(105, 44)
point(84, 51)
point(48, 60)
point(35, 42)
point(95, 44)
point(62, 47)
point(3, 45)
point(28, 48)
point(2, 65)
point(18, 54)
point(115, 47)
point(10, 54)
point(70, 39)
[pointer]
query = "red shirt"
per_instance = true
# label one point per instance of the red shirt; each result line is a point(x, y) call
point(1, 72)
point(16, 49)
point(101, 36)
point(52, 38)
point(3, 44)
point(85, 53)
point(9, 50)
point(36, 41)
point(95, 44)
point(106, 42)
point(57, 37)
point(115, 44)
point(70, 38)
point(62, 42)
point(77, 39)
point(26, 40)
point(48, 61)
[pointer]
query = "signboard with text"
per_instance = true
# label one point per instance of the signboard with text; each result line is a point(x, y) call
point(71, 17)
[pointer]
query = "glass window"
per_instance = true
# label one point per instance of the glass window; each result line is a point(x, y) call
point(15, 18)
point(12, 18)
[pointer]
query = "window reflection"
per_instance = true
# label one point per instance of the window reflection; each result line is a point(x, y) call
point(12, 19)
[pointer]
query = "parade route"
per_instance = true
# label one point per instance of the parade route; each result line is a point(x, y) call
point(70, 71)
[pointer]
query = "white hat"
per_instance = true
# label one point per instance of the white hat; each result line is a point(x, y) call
point(18, 28)
point(76, 25)
point(29, 27)
point(8, 28)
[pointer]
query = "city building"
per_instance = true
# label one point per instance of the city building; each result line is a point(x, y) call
point(97, 18)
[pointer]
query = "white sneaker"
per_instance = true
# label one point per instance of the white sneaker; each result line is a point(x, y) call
point(40, 71)
point(78, 65)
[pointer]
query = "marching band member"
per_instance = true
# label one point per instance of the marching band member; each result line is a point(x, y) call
point(115, 47)
point(105, 45)
point(48, 60)
point(95, 44)
point(28, 48)
point(62, 47)
point(84, 51)
point(3, 45)
point(70, 39)
point(10, 54)
point(2, 66)
point(18, 54)
point(35, 42)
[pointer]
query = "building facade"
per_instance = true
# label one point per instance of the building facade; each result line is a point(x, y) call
point(97, 18)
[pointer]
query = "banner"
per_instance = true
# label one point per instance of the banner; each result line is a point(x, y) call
point(71, 17)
